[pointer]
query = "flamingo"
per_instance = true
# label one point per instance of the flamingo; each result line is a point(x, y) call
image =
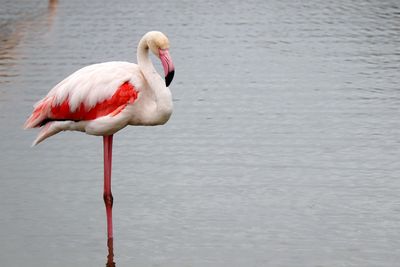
point(101, 99)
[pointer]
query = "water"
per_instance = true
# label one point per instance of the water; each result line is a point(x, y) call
point(283, 149)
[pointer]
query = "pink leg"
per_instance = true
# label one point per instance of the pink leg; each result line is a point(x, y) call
point(107, 196)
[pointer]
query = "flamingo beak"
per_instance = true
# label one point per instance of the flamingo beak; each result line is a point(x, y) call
point(168, 65)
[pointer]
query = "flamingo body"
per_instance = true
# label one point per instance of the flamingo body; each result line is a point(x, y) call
point(103, 98)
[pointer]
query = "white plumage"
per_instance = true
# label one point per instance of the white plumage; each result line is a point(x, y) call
point(87, 100)
point(96, 83)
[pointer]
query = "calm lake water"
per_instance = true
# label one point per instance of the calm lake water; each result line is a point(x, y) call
point(283, 149)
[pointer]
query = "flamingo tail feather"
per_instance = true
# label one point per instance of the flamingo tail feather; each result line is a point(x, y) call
point(39, 114)
point(49, 129)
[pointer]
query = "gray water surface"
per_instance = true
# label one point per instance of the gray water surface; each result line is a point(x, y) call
point(283, 149)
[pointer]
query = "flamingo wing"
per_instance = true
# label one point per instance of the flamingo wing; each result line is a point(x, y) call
point(94, 91)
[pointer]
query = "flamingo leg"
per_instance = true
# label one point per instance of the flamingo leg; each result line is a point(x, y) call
point(107, 196)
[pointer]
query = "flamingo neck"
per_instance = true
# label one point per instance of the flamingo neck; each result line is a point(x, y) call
point(161, 93)
point(146, 66)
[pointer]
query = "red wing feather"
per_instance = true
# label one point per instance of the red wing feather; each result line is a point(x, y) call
point(45, 111)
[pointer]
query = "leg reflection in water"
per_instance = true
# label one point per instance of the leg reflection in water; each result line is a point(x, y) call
point(110, 256)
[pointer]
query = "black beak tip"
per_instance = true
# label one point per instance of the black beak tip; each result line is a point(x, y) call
point(169, 77)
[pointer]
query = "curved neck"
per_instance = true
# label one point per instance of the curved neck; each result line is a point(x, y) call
point(143, 54)
point(160, 93)
point(146, 66)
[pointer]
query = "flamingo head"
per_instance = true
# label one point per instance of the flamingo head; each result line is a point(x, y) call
point(159, 45)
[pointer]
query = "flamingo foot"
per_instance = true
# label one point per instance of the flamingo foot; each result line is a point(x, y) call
point(110, 256)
